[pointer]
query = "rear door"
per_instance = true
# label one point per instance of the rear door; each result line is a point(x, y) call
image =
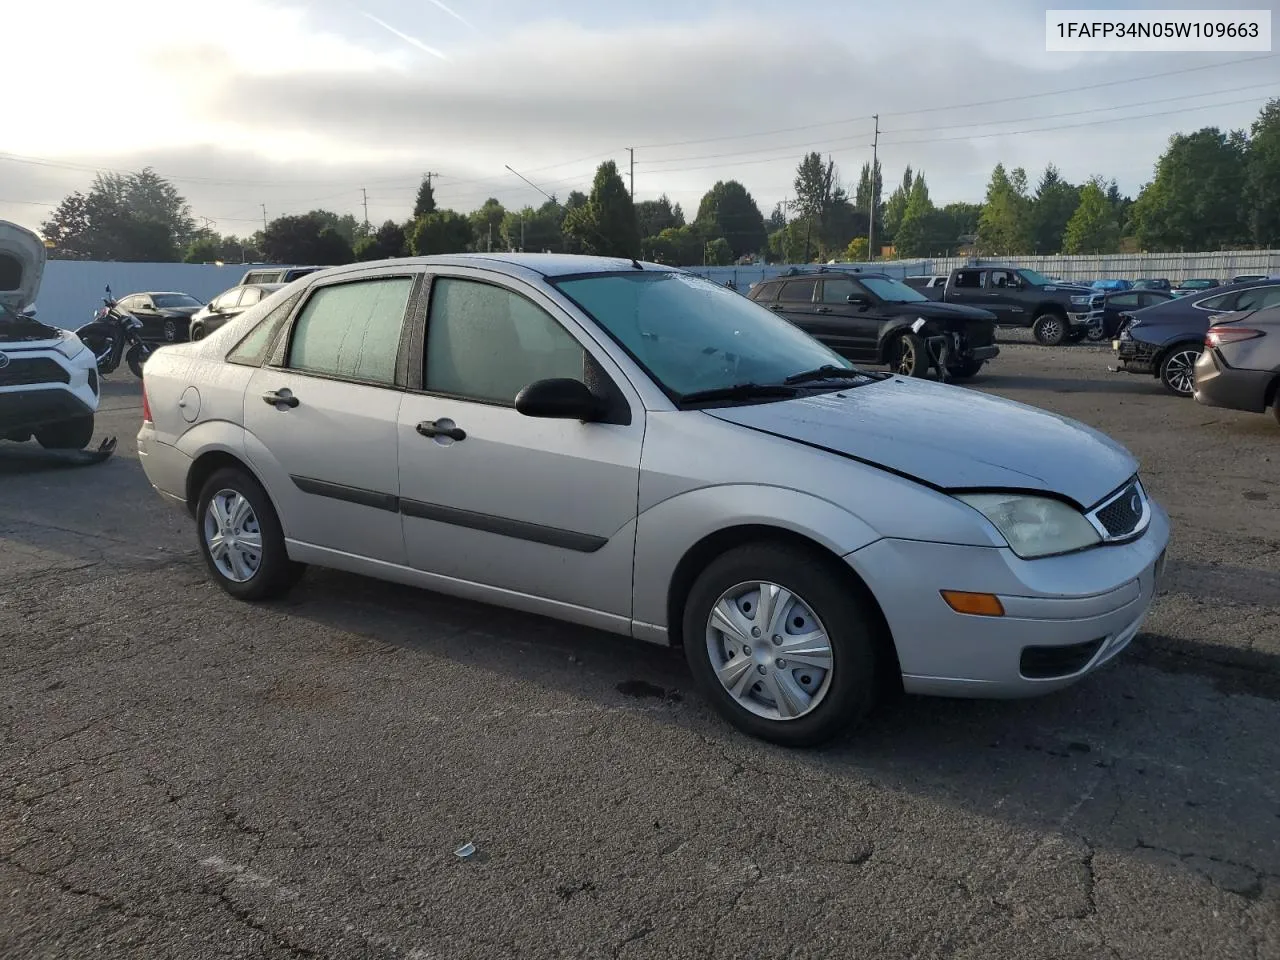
point(320, 417)
point(796, 302)
point(1117, 304)
point(968, 287)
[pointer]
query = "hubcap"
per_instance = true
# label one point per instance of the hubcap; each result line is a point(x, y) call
point(170, 331)
point(1181, 371)
point(233, 536)
point(1050, 329)
point(769, 650)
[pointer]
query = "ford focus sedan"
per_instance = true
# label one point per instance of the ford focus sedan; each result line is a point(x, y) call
point(626, 446)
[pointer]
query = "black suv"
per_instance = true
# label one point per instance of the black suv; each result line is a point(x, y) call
point(868, 318)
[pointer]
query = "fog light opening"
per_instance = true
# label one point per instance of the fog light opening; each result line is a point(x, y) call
point(974, 604)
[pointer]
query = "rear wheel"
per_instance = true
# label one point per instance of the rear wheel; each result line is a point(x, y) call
point(966, 370)
point(1178, 369)
point(1049, 329)
point(909, 356)
point(241, 538)
point(67, 435)
point(138, 356)
point(781, 645)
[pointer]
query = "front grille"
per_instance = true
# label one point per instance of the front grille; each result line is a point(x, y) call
point(26, 370)
point(981, 334)
point(1121, 516)
point(1045, 663)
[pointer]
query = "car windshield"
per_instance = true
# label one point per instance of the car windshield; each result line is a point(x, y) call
point(1198, 284)
point(894, 291)
point(1034, 278)
point(691, 335)
point(165, 300)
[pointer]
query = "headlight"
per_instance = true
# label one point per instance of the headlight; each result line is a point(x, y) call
point(1081, 301)
point(70, 347)
point(1034, 526)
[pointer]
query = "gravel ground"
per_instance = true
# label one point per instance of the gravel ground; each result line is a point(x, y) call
point(185, 776)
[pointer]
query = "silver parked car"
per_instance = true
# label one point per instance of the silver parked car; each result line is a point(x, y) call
point(628, 446)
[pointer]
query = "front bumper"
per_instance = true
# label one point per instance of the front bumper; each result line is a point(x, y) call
point(1133, 355)
point(1219, 385)
point(983, 353)
point(1064, 616)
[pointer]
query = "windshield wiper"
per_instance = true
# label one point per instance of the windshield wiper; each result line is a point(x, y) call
point(827, 371)
point(740, 391)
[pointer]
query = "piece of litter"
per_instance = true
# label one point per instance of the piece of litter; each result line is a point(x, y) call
point(464, 851)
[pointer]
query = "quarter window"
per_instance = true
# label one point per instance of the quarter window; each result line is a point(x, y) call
point(352, 330)
point(486, 343)
point(1259, 298)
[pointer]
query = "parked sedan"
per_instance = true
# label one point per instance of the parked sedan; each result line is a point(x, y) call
point(228, 304)
point(1118, 306)
point(1194, 286)
point(1158, 283)
point(631, 447)
point(166, 317)
point(1165, 340)
point(1240, 365)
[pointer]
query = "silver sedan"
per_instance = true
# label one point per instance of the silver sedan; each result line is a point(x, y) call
point(623, 445)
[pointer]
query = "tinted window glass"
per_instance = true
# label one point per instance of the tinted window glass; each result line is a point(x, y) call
point(352, 330)
point(969, 279)
point(1224, 301)
point(228, 300)
point(1002, 279)
point(837, 291)
point(1259, 298)
point(1123, 300)
point(799, 291)
point(253, 349)
point(768, 291)
point(486, 343)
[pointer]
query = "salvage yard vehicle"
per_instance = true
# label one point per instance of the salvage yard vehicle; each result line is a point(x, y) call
point(48, 379)
point(869, 318)
point(630, 447)
point(275, 275)
point(116, 336)
point(1055, 312)
point(1194, 286)
point(228, 304)
point(165, 317)
point(1240, 365)
point(1165, 340)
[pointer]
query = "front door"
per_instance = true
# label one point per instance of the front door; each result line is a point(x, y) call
point(545, 508)
point(1004, 298)
point(851, 329)
point(321, 426)
point(796, 303)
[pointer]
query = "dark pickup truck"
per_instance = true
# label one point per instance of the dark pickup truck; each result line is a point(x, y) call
point(1055, 312)
point(869, 317)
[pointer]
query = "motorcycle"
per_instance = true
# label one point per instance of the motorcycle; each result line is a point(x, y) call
point(114, 335)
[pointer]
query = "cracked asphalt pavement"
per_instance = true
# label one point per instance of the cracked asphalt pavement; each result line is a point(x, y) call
point(185, 776)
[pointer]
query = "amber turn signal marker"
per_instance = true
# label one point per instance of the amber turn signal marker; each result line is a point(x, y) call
point(976, 604)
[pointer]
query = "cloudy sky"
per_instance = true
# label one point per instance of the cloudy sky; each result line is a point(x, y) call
point(297, 104)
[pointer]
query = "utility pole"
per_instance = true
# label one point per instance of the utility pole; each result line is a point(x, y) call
point(871, 220)
point(632, 151)
point(365, 193)
point(264, 217)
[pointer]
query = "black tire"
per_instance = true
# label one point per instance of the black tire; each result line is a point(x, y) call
point(171, 331)
point(66, 435)
point(1177, 368)
point(197, 332)
point(852, 631)
point(1075, 336)
point(276, 573)
point(967, 370)
point(1049, 329)
point(1096, 333)
point(137, 358)
point(909, 356)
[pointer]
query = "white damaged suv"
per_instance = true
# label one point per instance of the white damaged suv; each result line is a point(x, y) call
point(48, 378)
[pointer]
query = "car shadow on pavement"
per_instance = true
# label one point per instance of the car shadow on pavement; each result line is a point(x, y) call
point(1123, 383)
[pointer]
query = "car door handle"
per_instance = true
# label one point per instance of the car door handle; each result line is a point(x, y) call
point(283, 398)
point(776, 308)
point(823, 310)
point(432, 428)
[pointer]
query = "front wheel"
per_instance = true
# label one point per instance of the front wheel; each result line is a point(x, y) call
point(197, 332)
point(138, 356)
point(1178, 369)
point(1049, 329)
point(241, 538)
point(781, 645)
point(68, 435)
point(909, 356)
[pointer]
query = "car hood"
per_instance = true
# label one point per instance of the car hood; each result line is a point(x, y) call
point(949, 437)
point(938, 310)
point(178, 313)
point(21, 248)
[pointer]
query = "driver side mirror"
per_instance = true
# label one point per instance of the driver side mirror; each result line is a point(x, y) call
point(561, 398)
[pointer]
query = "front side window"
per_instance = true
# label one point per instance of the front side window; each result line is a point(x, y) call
point(1123, 300)
point(486, 343)
point(170, 300)
point(690, 334)
point(352, 330)
point(837, 291)
point(799, 291)
point(250, 296)
point(1035, 279)
point(892, 291)
point(1001, 279)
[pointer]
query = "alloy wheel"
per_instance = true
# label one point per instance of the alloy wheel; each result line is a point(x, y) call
point(769, 650)
point(906, 357)
point(1180, 370)
point(233, 536)
point(1050, 330)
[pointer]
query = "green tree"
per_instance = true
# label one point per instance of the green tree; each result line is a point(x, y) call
point(1194, 201)
point(727, 210)
point(486, 223)
point(305, 239)
point(426, 200)
point(896, 208)
point(856, 252)
point(1262, 177)
point(445, 231)
point(343, 224)
point(205, 249)
point(718, 252)
point(957, 220)
point(606, 225)
point(863, 195)
point(1005, 225)
point(386, 242)
point(916, 232)
point(777, 219)
point(530, 229)
point(675, 246)
point(1052, 206)
point(1093, 227)
point(817, 199)
point(139, 217)
point(654, 216)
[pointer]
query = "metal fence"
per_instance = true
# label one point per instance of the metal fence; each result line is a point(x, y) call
point(1221, 265)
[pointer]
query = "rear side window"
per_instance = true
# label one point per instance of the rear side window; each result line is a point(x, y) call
point(1224, 301)
point(255, 347)
point(799, 291)
point(1259, 298)
point(352, 330)
point(969, 280)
